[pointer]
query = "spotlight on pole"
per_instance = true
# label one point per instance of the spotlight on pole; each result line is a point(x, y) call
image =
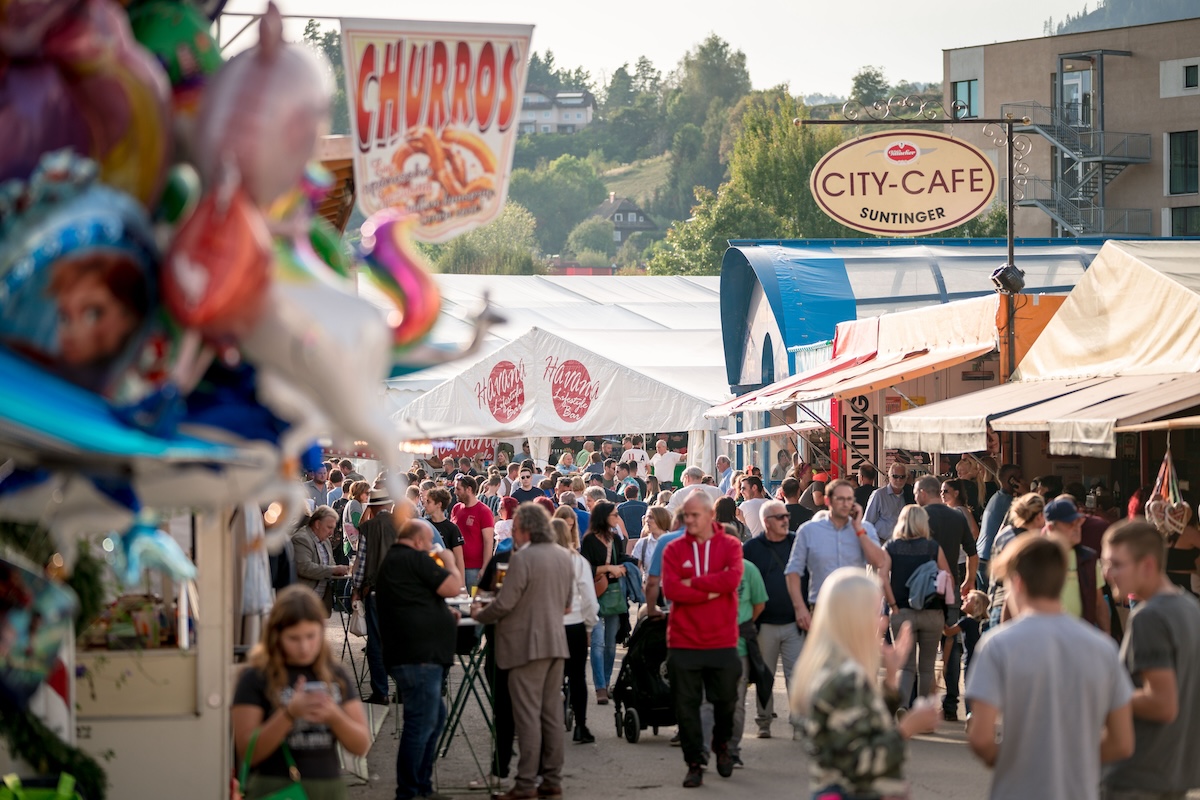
point(1008, 279)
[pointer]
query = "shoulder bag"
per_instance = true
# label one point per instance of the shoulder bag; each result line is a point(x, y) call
point(295, 791)
point(612, 600)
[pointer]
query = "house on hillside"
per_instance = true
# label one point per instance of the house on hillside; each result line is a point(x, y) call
point(556, 112)
point(626, 217)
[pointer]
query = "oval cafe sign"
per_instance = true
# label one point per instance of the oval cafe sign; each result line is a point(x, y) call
point(904, 183)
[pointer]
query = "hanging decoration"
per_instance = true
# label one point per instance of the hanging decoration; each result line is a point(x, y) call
point(1167, 510)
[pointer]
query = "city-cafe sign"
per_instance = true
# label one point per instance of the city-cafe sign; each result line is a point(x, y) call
point(904, 183)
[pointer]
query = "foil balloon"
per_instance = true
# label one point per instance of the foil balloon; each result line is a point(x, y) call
point(218, 268)
point(144, 547)
point(395, 267)
point(263, 112)
point(122, 95)
point(180, 38)
point(78, 284)
point(36, 619)
point(38, 115)
point(25, 23)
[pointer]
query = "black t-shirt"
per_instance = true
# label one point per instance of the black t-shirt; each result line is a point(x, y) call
point(862, 494)
point(313, 745)
point(414, 621)
point(949, 528)
point(771, 558)
point(797, 516)
point(907, 555)
point(451, 535)
point(527, 495)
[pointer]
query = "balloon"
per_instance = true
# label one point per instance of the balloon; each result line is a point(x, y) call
point(36, 618)
point(181, 194)
point(122, 94)
point(78, 288)
point(24, 23)
point(143, 547)
point(218, 269)
point(180, 38)
point(264, 111)
point(396, 268)
point(38, 115)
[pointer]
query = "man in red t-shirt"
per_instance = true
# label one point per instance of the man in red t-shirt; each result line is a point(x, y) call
point(477, 526)
point(701, 571)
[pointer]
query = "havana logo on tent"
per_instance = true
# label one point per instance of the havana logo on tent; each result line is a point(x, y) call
point(571, 388)
point(504, 394)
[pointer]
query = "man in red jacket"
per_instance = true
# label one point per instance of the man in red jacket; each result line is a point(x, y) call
point(700, 576)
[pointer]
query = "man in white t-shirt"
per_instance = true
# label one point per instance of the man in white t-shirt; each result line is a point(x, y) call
point(636, 454)
point(664, 462)
point(756, 495)
point(693, 481)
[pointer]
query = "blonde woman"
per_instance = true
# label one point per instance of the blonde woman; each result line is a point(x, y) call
point(1025, 515)
point(571, 519)
point(910, 548)
point(856, 748)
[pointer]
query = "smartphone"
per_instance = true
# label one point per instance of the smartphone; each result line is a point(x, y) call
point(316, 686)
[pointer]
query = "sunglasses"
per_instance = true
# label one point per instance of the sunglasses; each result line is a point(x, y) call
point(897, 477)
point(780, 516)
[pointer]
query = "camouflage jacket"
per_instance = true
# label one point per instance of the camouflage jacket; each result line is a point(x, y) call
point(853, 740)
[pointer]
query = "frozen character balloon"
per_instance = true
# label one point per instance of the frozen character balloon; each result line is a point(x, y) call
point(101, 299)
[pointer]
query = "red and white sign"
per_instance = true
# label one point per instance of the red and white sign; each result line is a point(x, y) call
point(475, 449)
point(571, 388)
point(902, 152)
point(434, 112)
point(504, 393)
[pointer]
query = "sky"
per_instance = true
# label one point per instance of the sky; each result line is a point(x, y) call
point(814, 46)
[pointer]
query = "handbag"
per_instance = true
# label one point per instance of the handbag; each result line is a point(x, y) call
point(612, 600)
point(295, 791)
point(63, 790)
point(358, 619)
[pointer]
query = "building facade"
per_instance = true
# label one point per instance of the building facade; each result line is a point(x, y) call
point(1114, 126)
point(627, 218)
point(551, 112)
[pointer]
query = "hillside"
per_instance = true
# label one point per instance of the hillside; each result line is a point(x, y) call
point(638, 181)
point(1124, 13)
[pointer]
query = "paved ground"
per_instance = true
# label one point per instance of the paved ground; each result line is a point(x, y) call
point(940, 766)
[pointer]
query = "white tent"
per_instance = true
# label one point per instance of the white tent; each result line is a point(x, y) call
point(542, 385)
point(1120, 353)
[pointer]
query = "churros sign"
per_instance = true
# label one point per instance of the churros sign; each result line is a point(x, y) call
point(434, 109)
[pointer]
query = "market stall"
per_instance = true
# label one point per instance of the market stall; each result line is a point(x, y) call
point(542, 386)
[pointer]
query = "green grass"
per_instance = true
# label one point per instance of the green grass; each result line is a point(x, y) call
point(638, 180)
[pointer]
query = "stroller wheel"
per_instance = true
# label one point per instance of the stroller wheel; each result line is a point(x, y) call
point(633, 726)
point(620, 722)
point(568, 712)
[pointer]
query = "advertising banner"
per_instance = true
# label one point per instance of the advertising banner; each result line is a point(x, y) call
point(434, 110)
point(475, 449)
point(904, 183)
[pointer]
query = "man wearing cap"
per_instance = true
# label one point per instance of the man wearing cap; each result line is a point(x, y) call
point(1083, 592)
point(317, 489)
point(598, 482)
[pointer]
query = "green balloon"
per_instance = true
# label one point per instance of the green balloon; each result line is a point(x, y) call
point(180, 194)
point(180, 37)
point(327, 243)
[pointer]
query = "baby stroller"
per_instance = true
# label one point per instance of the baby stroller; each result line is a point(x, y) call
point(641, 695)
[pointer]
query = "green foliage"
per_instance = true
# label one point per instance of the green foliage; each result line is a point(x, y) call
point(992, 224)
point(506, 246)
point(695, 247)
point(593, 258)
point(869, 86)
point(1108, 14)
point(329, 44)
point(546, 76)
point(560, 195)
point(594, 233)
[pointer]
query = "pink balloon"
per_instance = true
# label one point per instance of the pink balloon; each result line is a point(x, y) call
point(264, 111)
point(24, 24)
point(38, 115)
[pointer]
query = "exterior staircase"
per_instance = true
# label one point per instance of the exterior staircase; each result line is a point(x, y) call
point(1088, 161)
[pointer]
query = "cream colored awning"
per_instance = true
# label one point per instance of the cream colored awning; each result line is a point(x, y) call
point(773, 432)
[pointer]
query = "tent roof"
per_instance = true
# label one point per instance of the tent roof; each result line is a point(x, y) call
point(543, 384)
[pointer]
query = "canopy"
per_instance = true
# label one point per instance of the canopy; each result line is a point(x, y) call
point(1120, 352)
point(541, 384)
point(880, 352)
point(773, 432)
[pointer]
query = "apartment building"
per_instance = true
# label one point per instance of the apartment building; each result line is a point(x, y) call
point(556, 112)
point(1114, 118)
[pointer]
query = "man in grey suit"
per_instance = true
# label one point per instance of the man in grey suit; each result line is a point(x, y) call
point(531, 643)
point(315, 567)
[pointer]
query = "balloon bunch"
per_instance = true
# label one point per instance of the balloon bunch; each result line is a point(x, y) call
point(177, 326)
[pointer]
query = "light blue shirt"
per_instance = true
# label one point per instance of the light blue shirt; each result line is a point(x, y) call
point(724, 484)
point(822, 548)
point(883, 509)
point(993, 520)
point(655, 568)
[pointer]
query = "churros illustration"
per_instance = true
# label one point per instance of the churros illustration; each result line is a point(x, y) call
point(458, 161)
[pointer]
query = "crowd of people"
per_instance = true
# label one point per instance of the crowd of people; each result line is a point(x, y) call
point(856, 591)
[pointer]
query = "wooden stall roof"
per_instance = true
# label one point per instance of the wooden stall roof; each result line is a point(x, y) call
point(334, 153)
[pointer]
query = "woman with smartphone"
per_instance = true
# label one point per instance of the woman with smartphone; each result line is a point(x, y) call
point(294, 704)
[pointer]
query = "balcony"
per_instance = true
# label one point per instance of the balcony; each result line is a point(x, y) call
point(1085, 219)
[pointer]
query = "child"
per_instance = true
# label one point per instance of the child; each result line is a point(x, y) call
point(974, 609)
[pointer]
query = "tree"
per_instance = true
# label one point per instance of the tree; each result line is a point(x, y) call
point(619, 92)
point(560, 195)
point(329, 44)
point(869, 86)
point(542, 74)
point(646, 79)
point(506, 246)
point(695, 246)
point(594, 233)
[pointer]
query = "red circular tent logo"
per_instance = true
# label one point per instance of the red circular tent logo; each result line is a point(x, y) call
point(902, 152)
point(504, 393)
point(571, 388)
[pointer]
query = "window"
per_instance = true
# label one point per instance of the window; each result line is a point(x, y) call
point(545, 115)
point(966, 95)
point(1185, 221)
point(545, 129)
point(1185, 171)
point(616, 236)
point(1191, 76)
point(578, 115)
point(617, 217)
